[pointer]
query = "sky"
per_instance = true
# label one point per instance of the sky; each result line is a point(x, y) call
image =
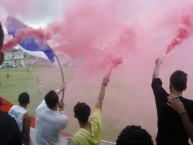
point(36, 13)
point(97, 32)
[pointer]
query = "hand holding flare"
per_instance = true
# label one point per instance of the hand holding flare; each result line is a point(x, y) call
point(115, 62)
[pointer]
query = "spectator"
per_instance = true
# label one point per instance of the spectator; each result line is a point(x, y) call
point(1, 45)
point(9, 131)
point(177, 105)
point(39, 85)
point(22, 117)
point(171, 130)
point(49, 121)
point(90, 129)
point(7, 76)
point(134, 135)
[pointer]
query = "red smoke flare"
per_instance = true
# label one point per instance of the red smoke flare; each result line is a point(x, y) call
point(184, 30)
point(116, 61)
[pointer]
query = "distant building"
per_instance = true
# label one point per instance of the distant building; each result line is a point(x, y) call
point(14, 58)
point(18, 58)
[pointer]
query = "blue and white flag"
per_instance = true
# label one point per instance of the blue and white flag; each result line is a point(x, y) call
point(29, 44)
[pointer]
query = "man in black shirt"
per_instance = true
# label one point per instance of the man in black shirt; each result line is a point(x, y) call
point(9, 131)
point(1, 44)
point(171, 130)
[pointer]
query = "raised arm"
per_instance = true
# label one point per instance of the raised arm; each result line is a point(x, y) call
point(26, 127)
point(178, 106)
point(61, 89)
point(102, 92)
point(158, 62)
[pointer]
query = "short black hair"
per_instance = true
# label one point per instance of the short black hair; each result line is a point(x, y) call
point(134, 135)
point(82, 112)
point(51, 99)
point(178, 80)
point(24, 98)
point(1, 36)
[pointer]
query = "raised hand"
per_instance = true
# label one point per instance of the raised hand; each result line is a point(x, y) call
point(106, 79)
point(158, 61)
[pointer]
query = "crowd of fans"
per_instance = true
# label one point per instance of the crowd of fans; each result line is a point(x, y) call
point(174, 113)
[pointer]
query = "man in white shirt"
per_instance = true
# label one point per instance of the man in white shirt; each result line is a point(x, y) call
point(49, 121)
point(22, 117)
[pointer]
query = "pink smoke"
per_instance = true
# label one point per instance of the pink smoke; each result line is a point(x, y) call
point(22, 34)
point(95, 33)
point(184, 31)
point(116, 61)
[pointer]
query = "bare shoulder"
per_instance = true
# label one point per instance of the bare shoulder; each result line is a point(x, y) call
point(27, 117)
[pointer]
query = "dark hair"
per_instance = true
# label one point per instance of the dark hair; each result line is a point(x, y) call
point(1, 36)
point(134, 135)
point(178, 80)
point(51, 99)
point(23, 98)
point(1, 44)
point(82, 112)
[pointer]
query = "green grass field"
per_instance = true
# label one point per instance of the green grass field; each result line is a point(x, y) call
point(20, 81)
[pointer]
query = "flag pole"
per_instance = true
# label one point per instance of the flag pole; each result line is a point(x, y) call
point(62, 73)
